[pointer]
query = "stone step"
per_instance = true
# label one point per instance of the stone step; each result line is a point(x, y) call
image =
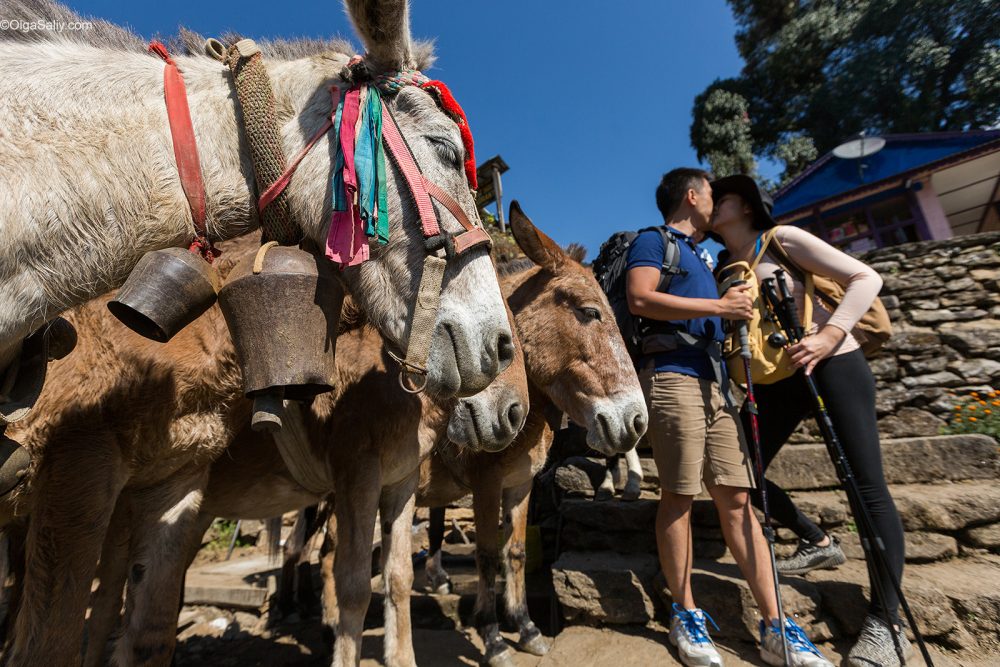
point(940, 519)
point(906, 461)
point(954, 602)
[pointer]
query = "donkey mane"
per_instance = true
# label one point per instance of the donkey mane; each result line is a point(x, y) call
point(113, 37)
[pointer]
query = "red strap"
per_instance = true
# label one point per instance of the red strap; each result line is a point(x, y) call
point(401, 155)
point(185, 148)
point(279, 185)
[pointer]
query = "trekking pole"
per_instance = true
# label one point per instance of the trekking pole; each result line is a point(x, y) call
point(768, 527)
point(784, 309)
point(761, 484)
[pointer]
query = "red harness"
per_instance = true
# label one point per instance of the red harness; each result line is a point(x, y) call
point(421, 189)
point(185, 150)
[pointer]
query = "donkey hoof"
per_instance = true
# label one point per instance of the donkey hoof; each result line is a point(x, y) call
point(505, 658)
point(631, 492)
point(537, 645)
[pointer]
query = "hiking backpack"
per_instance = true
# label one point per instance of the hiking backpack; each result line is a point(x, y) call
point(610, 268)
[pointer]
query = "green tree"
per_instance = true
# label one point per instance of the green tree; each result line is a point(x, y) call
point(824, 70)
point(721, 132)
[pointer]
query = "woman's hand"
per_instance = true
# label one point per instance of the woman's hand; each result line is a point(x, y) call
point(813, 349)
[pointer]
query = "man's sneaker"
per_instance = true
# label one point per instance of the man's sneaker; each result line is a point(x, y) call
point(801, 651)
point(810, 556)
point(875, 647)
point(689, 634)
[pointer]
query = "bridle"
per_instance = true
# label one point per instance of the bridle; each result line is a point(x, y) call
point(440, 246)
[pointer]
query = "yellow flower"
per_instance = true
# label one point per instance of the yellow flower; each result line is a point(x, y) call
point(974, 394)
point(982, 402)
point(987, 412)
point(996, 403)
point(973, 407)
point(973, 419)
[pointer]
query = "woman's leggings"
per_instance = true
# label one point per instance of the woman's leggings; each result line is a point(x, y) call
point(846, 384)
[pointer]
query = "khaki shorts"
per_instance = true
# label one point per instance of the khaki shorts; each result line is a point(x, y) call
point(695, 437)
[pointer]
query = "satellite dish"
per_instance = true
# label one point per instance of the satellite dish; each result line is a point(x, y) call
point(858, 148)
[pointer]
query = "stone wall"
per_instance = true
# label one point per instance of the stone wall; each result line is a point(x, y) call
point(944, 301)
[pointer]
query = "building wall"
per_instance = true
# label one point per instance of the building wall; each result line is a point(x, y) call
point(935, 219)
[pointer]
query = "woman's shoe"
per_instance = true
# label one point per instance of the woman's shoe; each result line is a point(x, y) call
point(810, 556)
point(875, 646)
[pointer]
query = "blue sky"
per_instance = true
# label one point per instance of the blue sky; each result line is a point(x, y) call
point(588, 101)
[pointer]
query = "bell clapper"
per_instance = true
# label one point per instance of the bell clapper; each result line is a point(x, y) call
point(268, 409)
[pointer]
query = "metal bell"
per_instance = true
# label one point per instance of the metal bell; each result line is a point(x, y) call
point(167, 290)
point(282, 306)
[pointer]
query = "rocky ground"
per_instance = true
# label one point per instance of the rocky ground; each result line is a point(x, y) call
point(602, 601)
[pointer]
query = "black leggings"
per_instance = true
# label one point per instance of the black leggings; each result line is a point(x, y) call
point(846, 384)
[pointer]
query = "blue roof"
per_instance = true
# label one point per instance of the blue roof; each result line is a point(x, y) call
point(831, 176)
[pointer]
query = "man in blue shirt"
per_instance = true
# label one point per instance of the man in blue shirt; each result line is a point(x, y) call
point(694, 429)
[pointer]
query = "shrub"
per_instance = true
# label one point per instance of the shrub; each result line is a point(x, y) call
point(976, 412)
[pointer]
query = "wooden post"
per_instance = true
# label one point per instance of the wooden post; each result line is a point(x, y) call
point(498, 193)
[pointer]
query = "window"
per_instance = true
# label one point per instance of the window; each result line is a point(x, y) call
point(888, 222)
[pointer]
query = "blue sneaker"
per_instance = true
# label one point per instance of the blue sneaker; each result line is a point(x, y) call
point(689, 634)
point(801, 651)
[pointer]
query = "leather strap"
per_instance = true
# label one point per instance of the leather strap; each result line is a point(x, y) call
point(182, 134)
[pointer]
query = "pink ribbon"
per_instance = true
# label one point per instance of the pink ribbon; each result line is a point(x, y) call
point(347, 243)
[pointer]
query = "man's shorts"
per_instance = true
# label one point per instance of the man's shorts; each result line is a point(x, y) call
point(695, 437)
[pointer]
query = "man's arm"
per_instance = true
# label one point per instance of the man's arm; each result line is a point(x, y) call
point(645, 301)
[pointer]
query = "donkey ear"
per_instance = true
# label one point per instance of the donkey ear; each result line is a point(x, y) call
point(384, 28)
point(539, 248)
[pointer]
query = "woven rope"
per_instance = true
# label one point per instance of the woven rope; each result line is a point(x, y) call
point(253, 88)
point(393, 83)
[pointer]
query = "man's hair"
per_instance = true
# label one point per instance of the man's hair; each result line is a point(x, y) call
point(674, 186)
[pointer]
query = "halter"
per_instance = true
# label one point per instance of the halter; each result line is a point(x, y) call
point(440, 246)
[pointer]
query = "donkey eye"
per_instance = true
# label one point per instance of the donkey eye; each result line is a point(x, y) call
point(446, 150)
point(590, 313)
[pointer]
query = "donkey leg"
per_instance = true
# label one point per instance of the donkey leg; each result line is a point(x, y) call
point(306, 599)
point(112, 571)
point(290, 553)
point(355, 509)
point(486, 507)
point(515, 518)
point(633, 485)
point(326, 554)
point(396, 513)
point(438, 580)
point(76, 490)
point(166, 527)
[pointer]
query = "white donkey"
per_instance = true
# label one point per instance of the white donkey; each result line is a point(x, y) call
point(89, 182)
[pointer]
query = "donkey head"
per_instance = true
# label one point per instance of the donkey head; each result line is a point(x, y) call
point(573, 350)
point(491, 419)
point(471, 340)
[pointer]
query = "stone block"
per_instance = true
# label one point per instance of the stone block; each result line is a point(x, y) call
point(909, 422)
point(984, 537)
point(925, 366)
point(579, 477)
point(605, 587)
point(972, 338)
point(931, 316)
point(940, 379)
point(912, 341)
point(906, 461)
point(947, 506)
point(976, 370)
point(719, 588)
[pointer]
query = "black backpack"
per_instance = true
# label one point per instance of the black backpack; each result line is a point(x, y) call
point(609, 269)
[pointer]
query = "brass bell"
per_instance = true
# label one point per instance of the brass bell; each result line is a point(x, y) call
point(282, 307)
point(167, 290)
